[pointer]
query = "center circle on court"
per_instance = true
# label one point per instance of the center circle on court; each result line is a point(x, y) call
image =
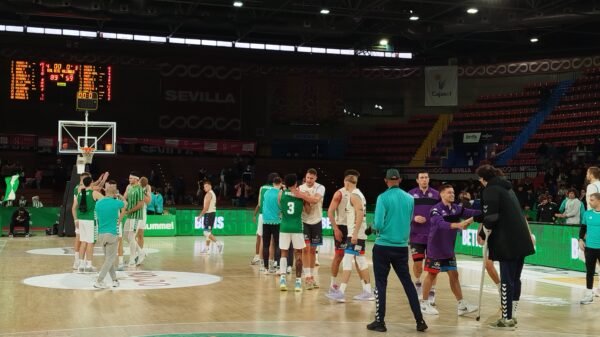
point(129, 280)
point(219, 334)
point(69, 251)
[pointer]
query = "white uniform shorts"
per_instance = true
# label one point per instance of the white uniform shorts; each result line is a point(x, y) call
point(88, 231)
point(132, 225)
point(259, 228)
point(297, 240)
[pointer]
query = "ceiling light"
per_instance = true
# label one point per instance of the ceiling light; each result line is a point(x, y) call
point(414, 17)
point(383, 42)
point(324, 11)
point(238, 4)
point(472, 10)
point(534, 39)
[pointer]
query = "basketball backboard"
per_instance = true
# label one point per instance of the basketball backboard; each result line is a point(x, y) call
point(73, 136)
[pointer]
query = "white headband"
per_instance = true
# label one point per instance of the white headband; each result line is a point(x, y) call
point(132, 176)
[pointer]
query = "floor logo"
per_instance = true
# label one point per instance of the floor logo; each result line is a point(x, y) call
point(129, 280)
point(69, 251)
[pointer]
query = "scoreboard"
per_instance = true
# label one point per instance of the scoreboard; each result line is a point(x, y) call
point(58, 82)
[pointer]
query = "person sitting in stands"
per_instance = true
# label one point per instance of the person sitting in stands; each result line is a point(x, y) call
point(19, 218)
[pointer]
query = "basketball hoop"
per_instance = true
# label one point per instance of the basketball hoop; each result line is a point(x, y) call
point(86, 154)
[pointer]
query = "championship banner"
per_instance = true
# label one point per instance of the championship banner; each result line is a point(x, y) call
point(441, 86)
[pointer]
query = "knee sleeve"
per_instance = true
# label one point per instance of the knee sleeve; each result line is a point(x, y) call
point(347, 262)
point(361, 261)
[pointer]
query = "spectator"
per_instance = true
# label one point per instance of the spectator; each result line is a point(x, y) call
point(571, 209)
point(22, 201)
point(546, 210)
point(156, 203)
point(242, 193)
point(20, 218)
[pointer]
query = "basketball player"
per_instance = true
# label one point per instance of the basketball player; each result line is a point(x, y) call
point(107, 215)
point(135, 217)
point(209, 215)
point(425, 197)
point(593, 177)
point(290, 229)
point(84, 205)
point(139, 234)
point(356, 241)
point(337, 218)
point(312, 215)
point(445, 224)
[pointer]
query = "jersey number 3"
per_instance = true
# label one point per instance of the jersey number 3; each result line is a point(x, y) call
point(291, 209)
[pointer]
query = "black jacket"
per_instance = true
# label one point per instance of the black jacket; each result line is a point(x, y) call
point(510, 238)
point(545, 213)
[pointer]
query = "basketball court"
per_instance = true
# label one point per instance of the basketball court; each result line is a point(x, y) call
point(180, 291)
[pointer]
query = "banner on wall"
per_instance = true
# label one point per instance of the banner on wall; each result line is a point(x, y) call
point(441, 86)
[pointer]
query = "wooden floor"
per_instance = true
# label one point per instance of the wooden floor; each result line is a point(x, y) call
point(246, 301)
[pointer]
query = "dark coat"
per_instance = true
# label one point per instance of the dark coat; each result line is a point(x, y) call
point(510, 238)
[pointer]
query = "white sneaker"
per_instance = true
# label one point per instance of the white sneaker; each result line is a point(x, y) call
point(100, 285)
point(255, 260)
point(337, 296)
point(121, 267)
point(116, 284)
point(427, 309)
point(81, 268)
point(289, 270)
point(140, 258)
point(588, 298)
point(90, 269)
point(465, 308)
point(364, 296)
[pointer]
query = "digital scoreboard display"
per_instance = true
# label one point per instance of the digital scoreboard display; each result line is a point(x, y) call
point(58, 82)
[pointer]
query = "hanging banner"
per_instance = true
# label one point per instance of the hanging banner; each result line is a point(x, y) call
point(441, 86)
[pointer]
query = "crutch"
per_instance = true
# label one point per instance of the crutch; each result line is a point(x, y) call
point(485, 255)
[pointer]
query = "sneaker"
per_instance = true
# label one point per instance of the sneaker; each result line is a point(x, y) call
point(289, 270)
point(588, 298)
point(503, 324)
point(140, 258)
point(309, 283)
point(10, 235)
point(272, 270)
point(116, 284)
point(419, 288)
point(314, 283)
point(261, 268)
point(255, 260)
point(27, 235)
point(337, 296)
point(121, 267)
point(100, 285)
point(298, 285)
point(427, 309)
point(364, 296)
point(432, 297)
point(90, 269)
point(81, 268)
point(282, 284)
point(466, 308)
point(422, 326)
point(333, 289)
point(377, 326)
point(75, 265)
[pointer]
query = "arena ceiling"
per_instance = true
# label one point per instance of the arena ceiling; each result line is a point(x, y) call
point(500, 30)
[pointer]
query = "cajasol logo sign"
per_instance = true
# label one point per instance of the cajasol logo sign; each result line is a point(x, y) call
point(219, 222)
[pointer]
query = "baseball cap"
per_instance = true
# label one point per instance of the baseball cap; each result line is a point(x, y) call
point(392, 174)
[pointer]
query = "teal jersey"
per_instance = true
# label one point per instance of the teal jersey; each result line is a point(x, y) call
point(591, 219)
point(271, 213)
point(134, 196)
point(91, 204)
point(107, 215)
point(393, 214)
point(261, 197)
point(291, 213)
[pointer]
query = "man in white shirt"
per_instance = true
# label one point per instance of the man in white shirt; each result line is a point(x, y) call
point(312, 216)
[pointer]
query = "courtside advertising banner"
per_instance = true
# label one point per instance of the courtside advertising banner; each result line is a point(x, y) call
point(441, 86)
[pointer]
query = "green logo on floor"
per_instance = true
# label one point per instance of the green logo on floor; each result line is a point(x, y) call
point(219, 334)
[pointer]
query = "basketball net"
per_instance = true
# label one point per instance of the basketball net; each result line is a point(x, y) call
point(86, 154)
